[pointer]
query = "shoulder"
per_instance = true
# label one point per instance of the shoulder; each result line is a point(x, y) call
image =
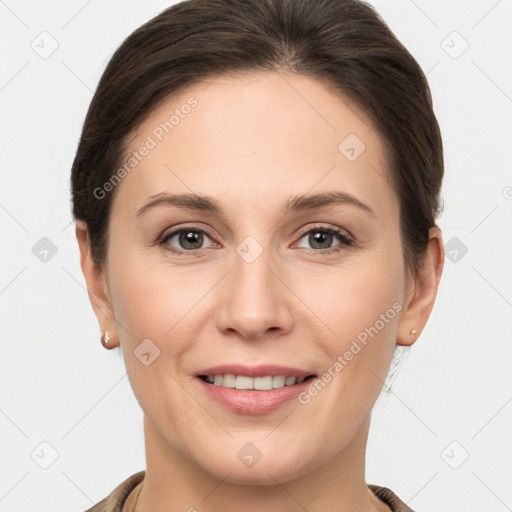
point(116, 499)
point(389, 498)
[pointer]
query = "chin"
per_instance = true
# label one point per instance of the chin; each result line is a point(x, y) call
point(259, 475)
point(273, 465)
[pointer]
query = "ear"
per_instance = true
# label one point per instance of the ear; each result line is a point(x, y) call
point(422, 290)
point(97, 288)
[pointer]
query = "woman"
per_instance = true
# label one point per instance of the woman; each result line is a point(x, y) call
point(255, 192)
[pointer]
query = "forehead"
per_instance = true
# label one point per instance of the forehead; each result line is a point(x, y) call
point(255, 138)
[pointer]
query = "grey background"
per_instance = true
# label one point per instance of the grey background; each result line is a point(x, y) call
point(441, 439)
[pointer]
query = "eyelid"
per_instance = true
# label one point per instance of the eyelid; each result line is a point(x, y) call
point(327, 227)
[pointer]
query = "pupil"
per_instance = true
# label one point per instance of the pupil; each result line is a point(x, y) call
point(190, 238)
point(322, 237)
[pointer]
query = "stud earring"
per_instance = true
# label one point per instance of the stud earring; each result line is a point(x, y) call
point(412, 333)
point(105, 339)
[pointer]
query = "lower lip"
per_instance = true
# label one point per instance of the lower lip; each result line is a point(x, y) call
point(247, 401)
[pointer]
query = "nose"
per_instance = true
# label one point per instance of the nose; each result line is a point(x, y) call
point(255, 300)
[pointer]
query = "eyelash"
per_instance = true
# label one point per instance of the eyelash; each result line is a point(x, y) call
point(346, 241)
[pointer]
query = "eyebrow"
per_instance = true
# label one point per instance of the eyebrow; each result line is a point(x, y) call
point(294, 204)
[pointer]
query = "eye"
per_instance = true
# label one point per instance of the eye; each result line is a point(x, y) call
point(187, 239)
point(191, 239)
point(321, 239)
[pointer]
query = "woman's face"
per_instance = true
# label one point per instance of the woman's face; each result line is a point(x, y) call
point(257, 283)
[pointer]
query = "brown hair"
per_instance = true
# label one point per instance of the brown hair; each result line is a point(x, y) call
point(343, 42)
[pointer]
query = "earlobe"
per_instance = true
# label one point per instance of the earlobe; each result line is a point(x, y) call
point(421, 295)
point(96, 285)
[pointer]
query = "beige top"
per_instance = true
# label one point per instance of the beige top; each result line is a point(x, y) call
point(124, 497)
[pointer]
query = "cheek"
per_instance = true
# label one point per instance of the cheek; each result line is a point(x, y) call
point(362, 308)
point(155, 300)
point(352, 297)
point(360, 304)
point(151, 304)
point(150, 300)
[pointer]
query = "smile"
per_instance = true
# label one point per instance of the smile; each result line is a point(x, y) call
point(252, 390)
point(264, 383)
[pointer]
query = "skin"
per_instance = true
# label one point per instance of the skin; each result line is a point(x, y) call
point(251, 142)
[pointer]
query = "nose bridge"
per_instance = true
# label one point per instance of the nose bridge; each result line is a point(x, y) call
point(255, 301)
point(252, 264)
point(253, 286)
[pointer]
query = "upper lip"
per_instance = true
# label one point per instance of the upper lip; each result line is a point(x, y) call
point(261, 370)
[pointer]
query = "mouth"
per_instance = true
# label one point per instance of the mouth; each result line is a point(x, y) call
point(265, 383)
point(253, 390)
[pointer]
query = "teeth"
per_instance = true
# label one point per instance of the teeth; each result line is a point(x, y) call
point(242, 382)
point(263, 383)
point(290, 381)
point(228, 381)
point(278, 381)
point(259, 383)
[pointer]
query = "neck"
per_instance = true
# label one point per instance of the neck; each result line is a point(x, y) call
point(175, 482)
